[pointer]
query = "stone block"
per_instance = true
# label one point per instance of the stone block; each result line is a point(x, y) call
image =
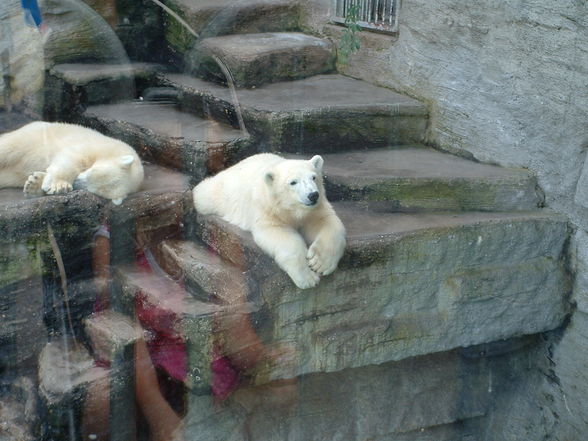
point(164, 135)
point(256, 59)
point(410, 285)
point(416, 178)
point(444, 396)
point(309, 115)
point(211, 18)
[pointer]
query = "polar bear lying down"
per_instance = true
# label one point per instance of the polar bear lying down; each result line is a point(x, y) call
point(282, 202)
point(48, 157)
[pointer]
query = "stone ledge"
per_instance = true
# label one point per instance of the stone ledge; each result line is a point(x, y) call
point(324, 113)
point(163, 134)
point(256, 59)
point(435, 282)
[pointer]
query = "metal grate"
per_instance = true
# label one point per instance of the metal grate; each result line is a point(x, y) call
point(376, 15)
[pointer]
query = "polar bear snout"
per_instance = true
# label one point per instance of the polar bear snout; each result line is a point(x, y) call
point(313, 197)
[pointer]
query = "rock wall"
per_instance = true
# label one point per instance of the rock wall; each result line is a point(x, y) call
point(505, 83)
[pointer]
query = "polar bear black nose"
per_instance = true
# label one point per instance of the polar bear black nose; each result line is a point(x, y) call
point(313, 197)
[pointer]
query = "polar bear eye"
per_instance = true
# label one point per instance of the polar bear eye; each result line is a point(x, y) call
point(314, 178)
point(293, 182)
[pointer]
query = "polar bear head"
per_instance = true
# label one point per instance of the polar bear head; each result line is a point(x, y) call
point(112, 178)
point(297, 184)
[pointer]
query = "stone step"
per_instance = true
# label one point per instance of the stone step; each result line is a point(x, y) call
point(256, 59)
point(199, 323)
point(71, 87)
point(324, 113)
point(434, 282)
point(211, 18)
point(417, 178)
point(162, 133)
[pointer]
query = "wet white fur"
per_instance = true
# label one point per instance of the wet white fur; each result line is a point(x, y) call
point(269, 196)
point(55, 154)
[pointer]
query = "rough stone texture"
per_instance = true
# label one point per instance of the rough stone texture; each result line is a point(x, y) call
point(256, 59)
point(19, 418)
point(322, 113)
point(21, 56)
point(431, 398)
point(163, 134)
point(210, 18)
point(70, 88)
point(65, 372)
point(79, 34)
point(413, 178)
point(110, 333)
point(435, 282)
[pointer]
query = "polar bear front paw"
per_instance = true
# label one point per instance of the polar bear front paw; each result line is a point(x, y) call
point(32, 186)
point(322, 259)
point(56, 186)
point(304, 279)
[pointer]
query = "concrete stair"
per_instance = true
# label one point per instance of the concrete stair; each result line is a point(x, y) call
point(324, 113)
point(256, 59)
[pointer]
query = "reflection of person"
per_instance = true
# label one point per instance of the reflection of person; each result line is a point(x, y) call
point(162, 419)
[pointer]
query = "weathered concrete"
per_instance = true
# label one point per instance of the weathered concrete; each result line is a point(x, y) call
point(210, 18)
point(413, 178)
point(79, 34)
point(256, 59)
point(110, 333)
point(435, 397)
point(435, 282)
point(71, 87)
point(322, 113)
point(163, 134)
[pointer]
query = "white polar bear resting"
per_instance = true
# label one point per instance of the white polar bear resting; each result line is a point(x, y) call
point(282, 202)
point(49, 157)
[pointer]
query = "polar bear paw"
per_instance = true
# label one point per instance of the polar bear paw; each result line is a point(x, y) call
point(32, 186)
point(56, 186)
point(322, 259)
point(305, 278)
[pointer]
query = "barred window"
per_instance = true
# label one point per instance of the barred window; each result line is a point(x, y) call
point(374, 15)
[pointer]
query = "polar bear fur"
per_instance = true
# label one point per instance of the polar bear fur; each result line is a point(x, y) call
point(46, 158)
point(282, 202)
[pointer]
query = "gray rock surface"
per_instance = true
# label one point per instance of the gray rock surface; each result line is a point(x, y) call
point(321, 113)
point(256, 59)
point(410, 178)
point(434, 282)
point(210, 18)
point(163, 134)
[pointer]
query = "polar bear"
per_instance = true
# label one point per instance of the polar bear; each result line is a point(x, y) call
point(282, 202)
point(48, 157)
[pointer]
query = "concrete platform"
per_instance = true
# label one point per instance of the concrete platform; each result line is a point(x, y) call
point(435, 282)
point(256, 59)
point(324, 113)
point(417, 178)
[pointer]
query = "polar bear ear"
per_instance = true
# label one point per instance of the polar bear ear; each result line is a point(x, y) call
point(317, 162)
point(127, 160)
point(269, 178)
